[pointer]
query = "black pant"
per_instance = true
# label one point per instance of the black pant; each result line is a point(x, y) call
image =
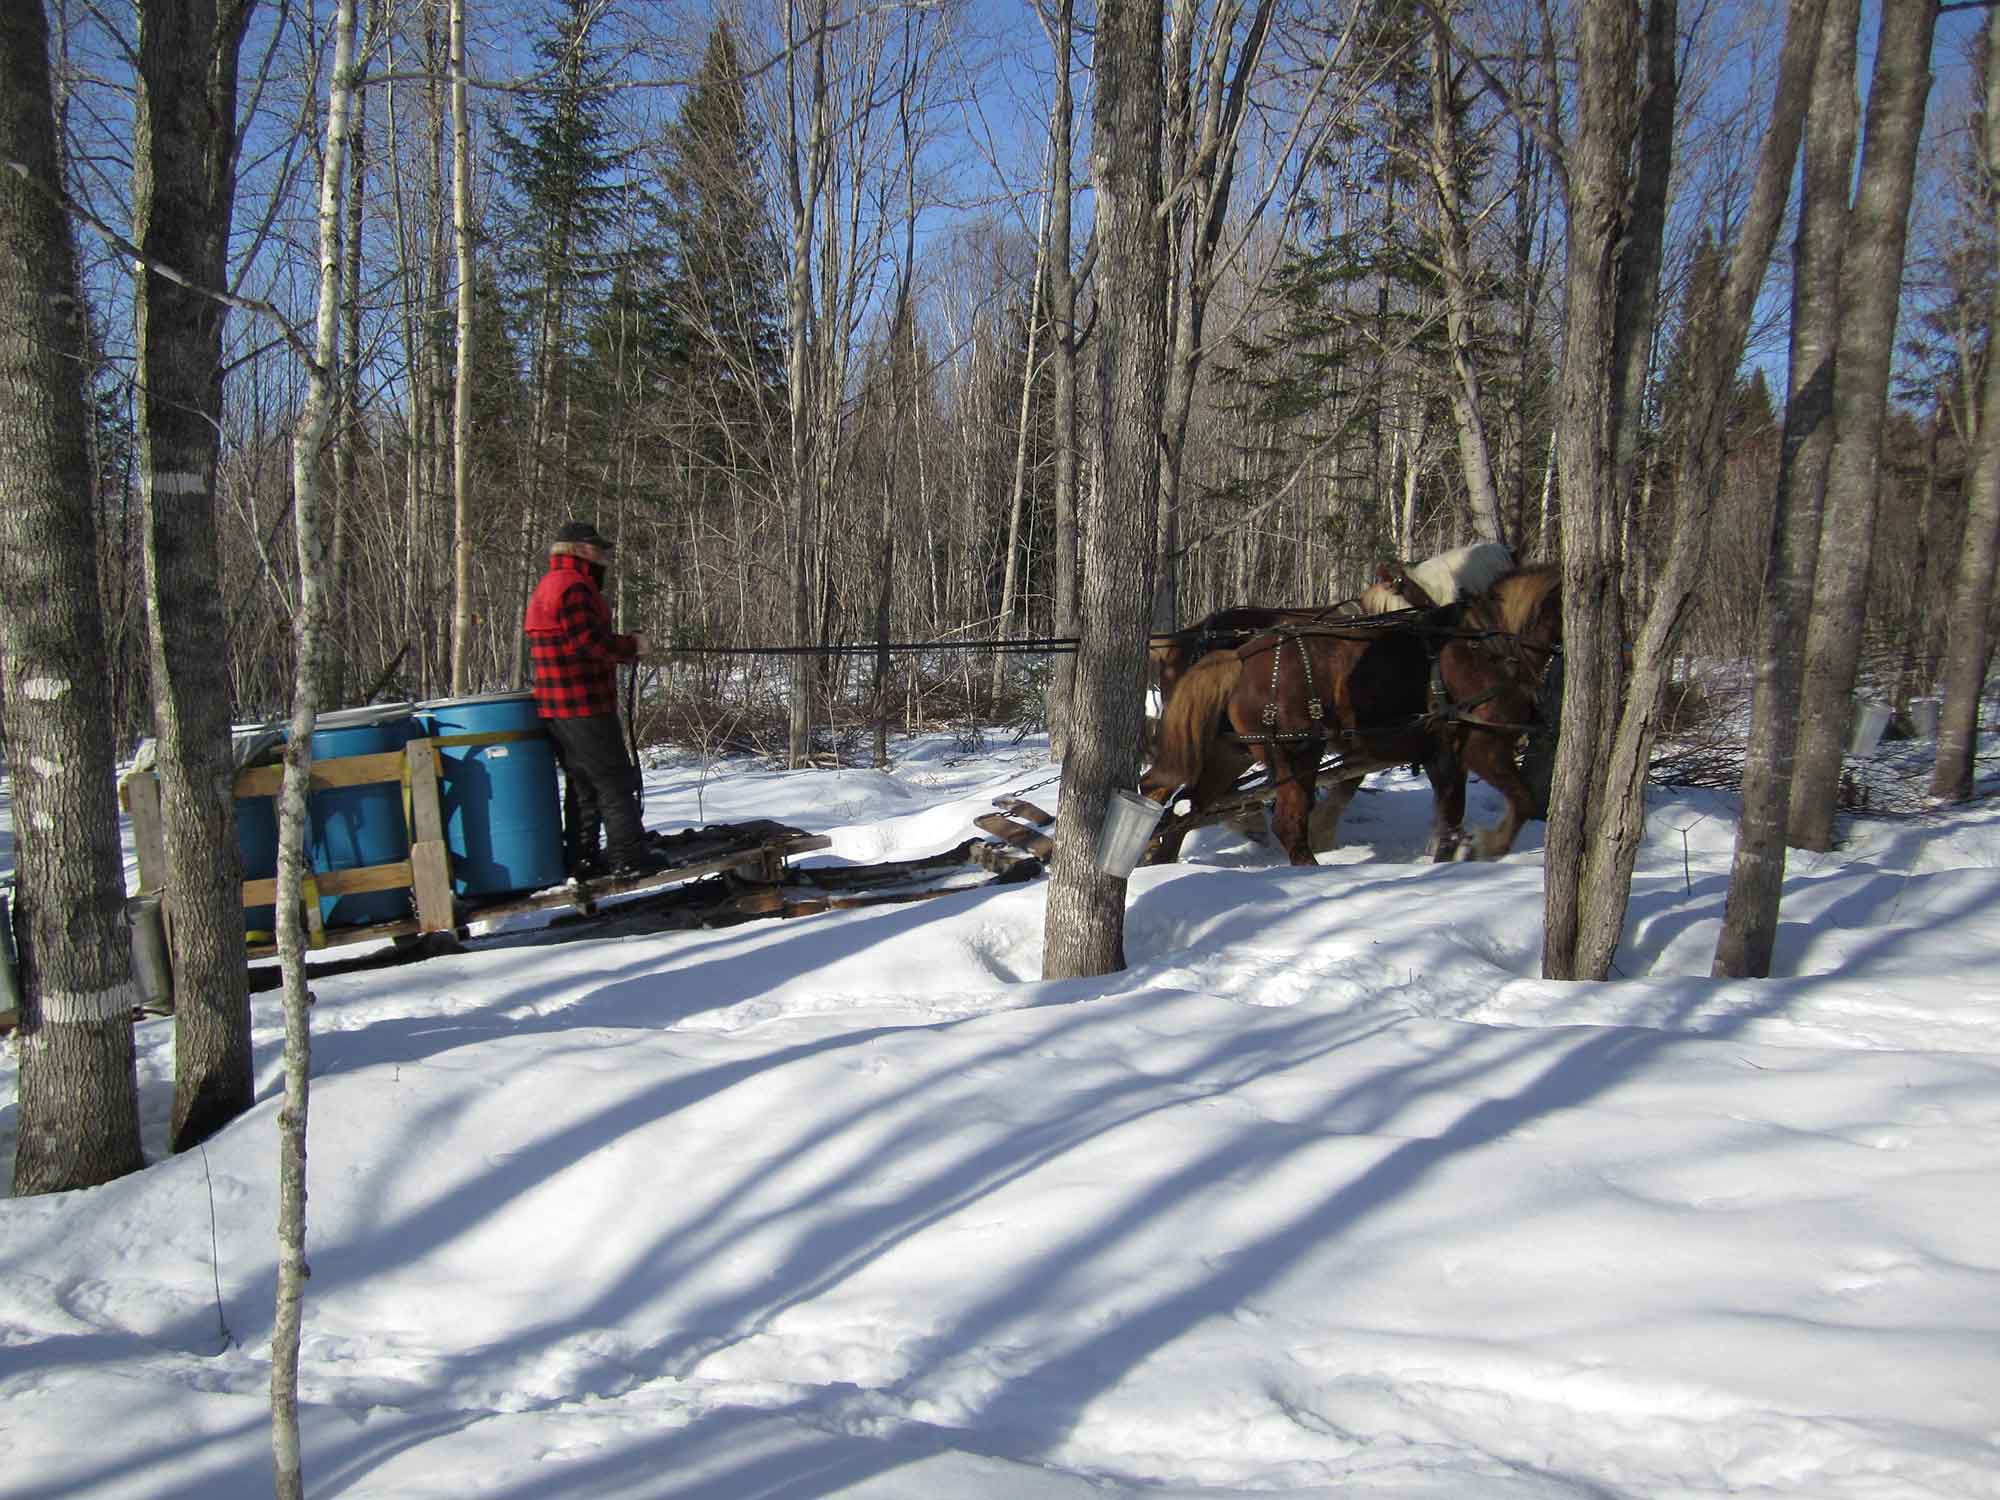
point(601, 789)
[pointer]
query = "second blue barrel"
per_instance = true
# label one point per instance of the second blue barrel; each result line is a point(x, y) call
point(256, 831)
point(349, 827)
point(502, 811)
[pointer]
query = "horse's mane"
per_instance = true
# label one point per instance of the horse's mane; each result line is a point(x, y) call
point(1382, 599)
point(1187, 719)
point(1518, 596)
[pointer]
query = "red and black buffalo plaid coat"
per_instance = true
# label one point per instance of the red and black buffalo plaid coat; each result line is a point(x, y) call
point(570, 640)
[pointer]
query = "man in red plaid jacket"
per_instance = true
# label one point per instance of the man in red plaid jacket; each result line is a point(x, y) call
point(576, 656)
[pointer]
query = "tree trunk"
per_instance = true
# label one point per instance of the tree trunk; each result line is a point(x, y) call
point(806, 164)
point(1018, 486)
point(461, 426)
point(308, 440)
point(1968, 644)
point(1723, 303)
point(1475, 456)
point(1062, 315)
point(1871, 286)
point(1204, 122)
point(1086, 910)
point(78, 1096)
point(183, 191)
point(1590, 419)
point(1756, 880)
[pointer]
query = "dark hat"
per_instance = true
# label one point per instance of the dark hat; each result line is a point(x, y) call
point(583, 531)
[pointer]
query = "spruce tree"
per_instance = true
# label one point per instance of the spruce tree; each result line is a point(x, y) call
point(564, 167)
point(723, 296)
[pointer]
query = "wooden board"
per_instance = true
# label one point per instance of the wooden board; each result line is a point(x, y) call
point(348, 770)
point(1019, 835)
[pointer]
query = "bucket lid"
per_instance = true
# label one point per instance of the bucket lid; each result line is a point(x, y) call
point(521, 696)
point(373, 713)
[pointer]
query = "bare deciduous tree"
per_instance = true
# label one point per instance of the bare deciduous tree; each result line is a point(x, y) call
point(1616, 185)
point(1969, 645)
point(79, 1110)
point(1871, 286)
point(1750, 914)
point(1723, 302)
point(1086, 909)
point(308, 441)
point(183, 194)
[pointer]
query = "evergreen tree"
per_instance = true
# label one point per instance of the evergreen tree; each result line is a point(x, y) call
point(1355, 344)
point(565, 170)
point(723, 296)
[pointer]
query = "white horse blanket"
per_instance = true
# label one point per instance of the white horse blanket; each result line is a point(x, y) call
point(1462, 573)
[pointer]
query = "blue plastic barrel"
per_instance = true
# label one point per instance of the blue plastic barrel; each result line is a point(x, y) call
point(352, 826)
point(257, 843)
point(502, 810)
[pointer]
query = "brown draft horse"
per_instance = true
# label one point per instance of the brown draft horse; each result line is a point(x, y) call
point(1449, 688)
point(1225, 630)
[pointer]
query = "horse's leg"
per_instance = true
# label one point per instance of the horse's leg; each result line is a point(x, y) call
point(1538, 761)
point(1446, 769)
point(1323, 826)
point(1492, 756)
point(1218, 779)
point(1294, 774)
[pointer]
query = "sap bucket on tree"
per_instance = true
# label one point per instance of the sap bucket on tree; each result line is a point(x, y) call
point(1870, 719)
point(152, 964)
point(1129, 821)
point(1924, 718)
point(10, 981)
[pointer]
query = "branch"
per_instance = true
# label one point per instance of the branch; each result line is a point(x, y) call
point(1530, 121)
point(145, 262)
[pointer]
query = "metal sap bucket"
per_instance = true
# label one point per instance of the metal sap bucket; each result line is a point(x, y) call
point(1870, 719)
point(10, 975)
point(152, 966)
point(1129, 821)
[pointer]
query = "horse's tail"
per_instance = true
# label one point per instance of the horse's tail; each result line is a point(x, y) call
point(1188, 722)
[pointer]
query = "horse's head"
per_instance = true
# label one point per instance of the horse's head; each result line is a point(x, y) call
point(1522, 613)
point(1528, 604)
point(1394, 589)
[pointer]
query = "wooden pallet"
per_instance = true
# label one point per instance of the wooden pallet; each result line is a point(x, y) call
point(719, 875)
point(751, 851)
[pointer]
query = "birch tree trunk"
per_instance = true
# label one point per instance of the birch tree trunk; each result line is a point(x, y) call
point(1968, 643)
point(1757, 873)
point(1871, 287)
point(806, 167)
point(461, 426)
point(1010, 576)
point(1060, 23)
point(1475, 455)
point(1086, 910)
point(183, 193)
point(78, 1095)
point(308, 441)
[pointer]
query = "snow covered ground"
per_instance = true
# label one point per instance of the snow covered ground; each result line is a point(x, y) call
point(1327, 1194)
